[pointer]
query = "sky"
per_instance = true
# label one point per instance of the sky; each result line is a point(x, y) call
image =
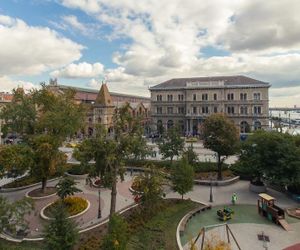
point(135, 44)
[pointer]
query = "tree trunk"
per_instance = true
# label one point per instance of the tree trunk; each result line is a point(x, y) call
point(182, 197)
point(113, 200)
point(44, 184)
point(220, 177)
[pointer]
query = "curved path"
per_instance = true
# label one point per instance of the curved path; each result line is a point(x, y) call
point(36, 223)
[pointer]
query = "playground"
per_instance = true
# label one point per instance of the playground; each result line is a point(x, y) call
point(250, 225)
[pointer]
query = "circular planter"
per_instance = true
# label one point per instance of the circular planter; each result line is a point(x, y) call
point(257, 189)
point(133, 191)
point(38, 197)
point(45, 217)
point(7, 190)
point(77, 176)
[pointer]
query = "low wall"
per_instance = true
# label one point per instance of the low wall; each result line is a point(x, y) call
point(7, 190)
point(216, 182)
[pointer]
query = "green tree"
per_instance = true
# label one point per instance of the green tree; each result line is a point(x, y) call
point(221, 136)
point(45, 120)
point(111, 151)
point(20, 114)
point(190, 155)
point(61, 233)
point(12, 214)
point(47, 157)
point(66, 187)
point(182, 177)
point(117, 236)
point(15, 159)
point(171, 144)
point(271, 155)
point(151, 186)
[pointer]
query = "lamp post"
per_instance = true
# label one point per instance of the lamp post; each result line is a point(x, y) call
point(99, 208)
point(210, 193)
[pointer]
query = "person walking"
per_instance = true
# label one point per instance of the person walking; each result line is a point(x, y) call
point(233, 198)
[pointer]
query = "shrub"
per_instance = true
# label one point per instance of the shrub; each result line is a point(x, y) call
point(117, 236)
point(77, 169)
point(74, 205)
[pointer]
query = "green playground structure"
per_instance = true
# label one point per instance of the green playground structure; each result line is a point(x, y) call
point(225, 213)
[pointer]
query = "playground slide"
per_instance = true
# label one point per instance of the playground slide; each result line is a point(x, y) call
point(285, 225)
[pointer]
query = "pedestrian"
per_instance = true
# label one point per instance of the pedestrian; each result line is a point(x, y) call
point(233, 198)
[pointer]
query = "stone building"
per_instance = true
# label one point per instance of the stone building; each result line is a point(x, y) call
point(101, 105)
point(186, 102)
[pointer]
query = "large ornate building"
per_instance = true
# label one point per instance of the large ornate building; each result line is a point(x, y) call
point(102, 104)
point(186, 102)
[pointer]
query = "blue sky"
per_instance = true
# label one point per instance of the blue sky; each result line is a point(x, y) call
point(135, 44)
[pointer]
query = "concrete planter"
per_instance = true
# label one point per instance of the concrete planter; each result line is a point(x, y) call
point(45, 217)
point(39, 198)
point(216, 182)
point(257, 189)
point(77, 176)
point(7, 190)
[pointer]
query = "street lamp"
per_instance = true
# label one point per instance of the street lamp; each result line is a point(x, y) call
point(210, 193)
point(99, 208)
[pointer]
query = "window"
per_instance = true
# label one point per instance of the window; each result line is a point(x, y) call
point(194, 97)
point(243, 96)
point(159, 110)
point(230, 96)
point(180, 110)
point(256, 96)
point(215, 97)
point(159, 98)
point(257, 110)
point(215, 109)
point(170, 98)
point(194, 110)
point(204, 97)
point(230, 110)
point(244, 110)
point(170, 110)
point(180, 97)
point(205, 110)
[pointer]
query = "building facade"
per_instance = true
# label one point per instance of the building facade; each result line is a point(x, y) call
point(187, 102)
point(102, 104)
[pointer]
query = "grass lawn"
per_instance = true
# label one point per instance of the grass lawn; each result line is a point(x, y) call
point(160, 232)
point(6, 245)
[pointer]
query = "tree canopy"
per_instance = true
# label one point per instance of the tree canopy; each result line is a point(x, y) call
point(182, 177)
point(61, 233)
point(271, 155)
point(221, 136)
point(111, 150)
point(44, 119)
point(12, 214)
point(171, 144)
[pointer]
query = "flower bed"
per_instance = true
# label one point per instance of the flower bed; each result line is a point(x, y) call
point(74, 206)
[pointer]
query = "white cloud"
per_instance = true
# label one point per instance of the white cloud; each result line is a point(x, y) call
point(90, 6)
point(80, 70)
point(272, 25)
point(7, 84)
point(167, 39)
point(30, 50)
point(73, 22)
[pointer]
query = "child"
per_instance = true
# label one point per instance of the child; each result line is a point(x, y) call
point(233, 198)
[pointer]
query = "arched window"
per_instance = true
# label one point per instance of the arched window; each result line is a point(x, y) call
point(170, 124)
point(245, 128)
point(257, 125)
